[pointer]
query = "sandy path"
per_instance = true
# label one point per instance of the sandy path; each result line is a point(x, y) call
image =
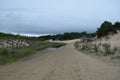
point(63, 64)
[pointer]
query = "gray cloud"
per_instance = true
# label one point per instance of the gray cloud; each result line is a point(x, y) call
point(56, 16)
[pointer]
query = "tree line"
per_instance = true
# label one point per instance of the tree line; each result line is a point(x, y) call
point(13, 36)
point(105, 28)
point(67, 36)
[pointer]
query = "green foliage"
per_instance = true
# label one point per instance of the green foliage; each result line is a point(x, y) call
point(3, 55)
point(12, 36)
point(9, 55)
point(67, 36)
point(105, 29)
point(3, 52)
point(117, 25)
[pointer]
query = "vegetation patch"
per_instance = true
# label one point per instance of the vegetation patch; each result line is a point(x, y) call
point(12, 54)
point(101, 49)
point(106, 28)
point(67, 36)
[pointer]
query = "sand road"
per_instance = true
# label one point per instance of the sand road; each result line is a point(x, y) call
point(65, 63)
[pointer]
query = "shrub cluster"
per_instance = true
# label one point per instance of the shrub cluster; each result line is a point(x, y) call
point(99, 49)
point(106, 28)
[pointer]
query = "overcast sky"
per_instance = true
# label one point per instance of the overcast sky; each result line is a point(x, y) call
point(56, 16)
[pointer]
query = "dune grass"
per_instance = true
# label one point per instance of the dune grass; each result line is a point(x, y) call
point(13, 54)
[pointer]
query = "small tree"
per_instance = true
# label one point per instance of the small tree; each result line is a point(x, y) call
point(105, 28)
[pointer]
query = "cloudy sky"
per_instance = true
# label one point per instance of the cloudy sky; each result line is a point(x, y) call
point(56, 16)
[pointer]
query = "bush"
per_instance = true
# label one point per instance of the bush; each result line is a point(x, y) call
point(117, 25)
point(3, 52)
point(3, 56)
point(105, 29)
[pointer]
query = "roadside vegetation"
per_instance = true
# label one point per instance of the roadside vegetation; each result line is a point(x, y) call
point(107, 28)
point(13, 54)
point(101, 46)
point(100, 49)
point(14, 47)
point(67, 36)
point(12, 36)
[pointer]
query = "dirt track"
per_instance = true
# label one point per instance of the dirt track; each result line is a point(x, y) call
point(63, 64)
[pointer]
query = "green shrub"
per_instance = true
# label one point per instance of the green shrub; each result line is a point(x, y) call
point(3, 52)
point(3, 56)
point(105, 29)
point(9, 55)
